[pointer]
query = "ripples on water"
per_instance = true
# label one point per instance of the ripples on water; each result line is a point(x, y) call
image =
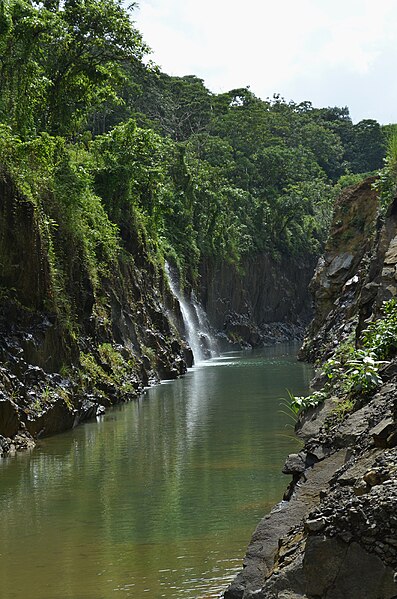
point(159, 499)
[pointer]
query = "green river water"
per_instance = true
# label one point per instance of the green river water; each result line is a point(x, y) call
point(159, 498)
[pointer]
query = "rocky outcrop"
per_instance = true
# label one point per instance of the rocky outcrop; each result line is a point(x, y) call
point(70, 348)
point(264, 300)
point(335, 534)
point(356, 274)
point(342, 272)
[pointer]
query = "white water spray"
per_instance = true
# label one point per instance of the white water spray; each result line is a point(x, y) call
point(205, 334)
point(197, 328)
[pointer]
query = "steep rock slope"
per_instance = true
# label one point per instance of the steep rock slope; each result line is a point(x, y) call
point(264, 300)
point(68, 353)
point(335, 535)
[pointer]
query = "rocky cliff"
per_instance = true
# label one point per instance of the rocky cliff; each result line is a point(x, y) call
point(334, 536)
point(71, 346)
point(263, 300)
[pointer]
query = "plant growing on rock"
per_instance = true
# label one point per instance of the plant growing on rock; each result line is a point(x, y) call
point(381, 335)
point(386, 184)
point(356, 374)
point(356, 371)
point(343, 408)
point(362, 374)
point(300, 404)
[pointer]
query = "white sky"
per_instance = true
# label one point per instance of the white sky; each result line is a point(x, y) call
point(331, 52)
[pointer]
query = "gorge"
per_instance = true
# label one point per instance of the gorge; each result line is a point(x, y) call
point(149, 228)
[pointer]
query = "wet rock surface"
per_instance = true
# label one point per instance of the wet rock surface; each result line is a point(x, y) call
point(263, 302)
point(108, 343)
point(35, 401)
point(342, 541)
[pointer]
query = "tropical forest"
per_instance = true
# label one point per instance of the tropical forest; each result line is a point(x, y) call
point(165, 251)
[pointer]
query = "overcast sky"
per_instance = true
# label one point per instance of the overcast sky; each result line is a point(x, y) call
point(331, 52)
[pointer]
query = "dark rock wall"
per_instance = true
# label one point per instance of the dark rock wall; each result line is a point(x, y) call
point(245, 303)
point(23, 255)
point(67, 354)
point(357, 273)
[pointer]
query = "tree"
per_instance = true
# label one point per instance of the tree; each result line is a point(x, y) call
point(368, 148)
point(178, 106)
point(59, 62)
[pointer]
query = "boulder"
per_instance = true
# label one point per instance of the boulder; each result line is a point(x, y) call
point(55, 419)
point(341, 262)
point(9, 420)
point(294, 464)
point(382, 431)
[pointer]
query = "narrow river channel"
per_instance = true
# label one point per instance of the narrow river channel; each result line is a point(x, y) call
point(160, 498)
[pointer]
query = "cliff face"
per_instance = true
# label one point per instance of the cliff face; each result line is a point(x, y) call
point(356, 274)
point(335, 535)
point(67, 354)
point(262, 301)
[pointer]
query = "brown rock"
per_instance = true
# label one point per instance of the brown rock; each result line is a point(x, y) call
point(294, 464)
point(373, 478)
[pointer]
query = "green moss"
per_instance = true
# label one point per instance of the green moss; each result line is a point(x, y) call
point(120, 367)
point(66, 397)
point(346, 406)
point(92, 375)
point(151, 354)
point(108, 368)
point(342, 409)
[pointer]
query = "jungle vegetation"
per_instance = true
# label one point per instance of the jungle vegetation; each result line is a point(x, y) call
point(122, 158)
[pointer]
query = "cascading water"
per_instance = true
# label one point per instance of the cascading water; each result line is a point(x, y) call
point(195, 320)
point(207, 338)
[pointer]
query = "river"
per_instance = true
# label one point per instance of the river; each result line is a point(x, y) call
point(160, 497)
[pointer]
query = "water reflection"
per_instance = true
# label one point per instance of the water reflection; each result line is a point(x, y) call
point(160, 497)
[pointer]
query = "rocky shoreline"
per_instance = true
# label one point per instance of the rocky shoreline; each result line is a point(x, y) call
point(336, 537)
point(335, 534)
point(38, 399)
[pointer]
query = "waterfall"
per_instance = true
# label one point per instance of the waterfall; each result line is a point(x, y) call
point(197, 328)
point(205, 334)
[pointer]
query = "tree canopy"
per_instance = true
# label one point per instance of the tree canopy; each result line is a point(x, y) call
point(189, 173)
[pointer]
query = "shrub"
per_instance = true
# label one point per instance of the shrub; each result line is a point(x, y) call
point(300, 404)
point(381, 335)
point(362, 375)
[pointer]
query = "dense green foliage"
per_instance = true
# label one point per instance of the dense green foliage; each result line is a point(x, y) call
point(381, 335)
point(386, 183)
point(355, 373)
point(120, 157)
point(59, 62)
